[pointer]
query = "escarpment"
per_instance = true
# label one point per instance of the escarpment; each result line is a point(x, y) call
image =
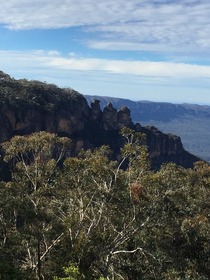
point(30, 106)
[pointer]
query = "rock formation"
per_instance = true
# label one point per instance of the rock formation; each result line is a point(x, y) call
point(29, 106)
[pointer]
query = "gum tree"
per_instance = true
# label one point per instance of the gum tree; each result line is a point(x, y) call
point(34, 162)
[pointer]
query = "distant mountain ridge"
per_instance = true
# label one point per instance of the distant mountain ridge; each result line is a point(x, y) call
point(191, 122)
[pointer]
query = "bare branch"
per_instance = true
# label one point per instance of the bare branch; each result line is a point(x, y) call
point(55, 242)
point(127, 251)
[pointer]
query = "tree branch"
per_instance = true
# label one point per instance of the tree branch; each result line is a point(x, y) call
point(56, 241)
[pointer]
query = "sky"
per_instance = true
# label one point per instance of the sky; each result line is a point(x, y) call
point(157, 50)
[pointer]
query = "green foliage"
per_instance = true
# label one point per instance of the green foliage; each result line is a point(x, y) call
point(71, 273)
point(135, 152)
point(99, 221)
point(31, 196)
point(22, 94)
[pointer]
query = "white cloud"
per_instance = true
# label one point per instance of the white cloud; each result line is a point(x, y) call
point(147, 25)
point(137, 80)
point(141, 68)
point(53, 60)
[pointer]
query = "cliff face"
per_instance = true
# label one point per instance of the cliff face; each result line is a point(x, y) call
point(29, 106)
point(189, 121)
point(167, 148)
point(26, 107)
point(162, 147)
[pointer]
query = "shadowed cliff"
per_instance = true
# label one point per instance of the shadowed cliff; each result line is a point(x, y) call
point(189, 121)
point(29, 106)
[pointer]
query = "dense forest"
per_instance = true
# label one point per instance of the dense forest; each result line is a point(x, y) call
point(90, 217)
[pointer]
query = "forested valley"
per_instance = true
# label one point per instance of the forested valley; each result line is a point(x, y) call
point(91, 217)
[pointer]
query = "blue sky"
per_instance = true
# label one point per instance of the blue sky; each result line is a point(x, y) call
point(139, 49)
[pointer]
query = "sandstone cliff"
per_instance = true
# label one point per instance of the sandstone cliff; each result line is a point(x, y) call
point(29, 106)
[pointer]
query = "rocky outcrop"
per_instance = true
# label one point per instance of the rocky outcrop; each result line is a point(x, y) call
point(162, 147)
point(166, 148)
point(26, 107)
point(95, 112)
point(29, 106)
point(189, 121)
point(124, 117)
point(110, 118)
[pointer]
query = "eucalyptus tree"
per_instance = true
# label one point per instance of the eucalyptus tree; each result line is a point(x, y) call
point(34, 162)
point(103, 207)
point(98, 219)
